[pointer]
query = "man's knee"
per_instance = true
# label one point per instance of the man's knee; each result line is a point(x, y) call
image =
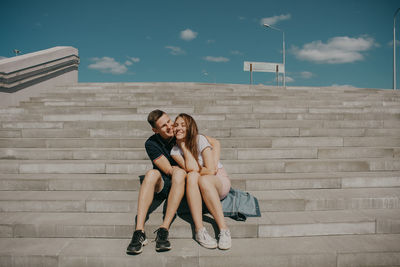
point(152, 177)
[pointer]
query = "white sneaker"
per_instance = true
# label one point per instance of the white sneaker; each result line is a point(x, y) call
point(205, 239)
point(225, 241)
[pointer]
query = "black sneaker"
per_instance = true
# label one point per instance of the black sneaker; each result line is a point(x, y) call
point(138, 241)
point(162, 243)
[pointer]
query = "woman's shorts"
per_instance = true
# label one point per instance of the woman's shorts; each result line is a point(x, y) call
point(225, 181)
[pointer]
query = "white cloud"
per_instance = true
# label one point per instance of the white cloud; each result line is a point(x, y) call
point(306, 74)
point(241, 18)
point(216, 59)
point(336, 50)
point(210, 41)
point(175, 50)
point(343, 86)
point(287, 78)
point(108, 65)
point(275, 19)
point(280, 79)
point(236, 52)
point(134, 59)
point(188, 35)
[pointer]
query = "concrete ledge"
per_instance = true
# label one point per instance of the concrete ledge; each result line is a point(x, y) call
point(27, 75)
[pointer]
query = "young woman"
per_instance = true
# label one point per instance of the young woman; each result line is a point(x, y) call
point(207, 179)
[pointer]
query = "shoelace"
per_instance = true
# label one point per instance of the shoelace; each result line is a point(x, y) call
point(137, 237)
point(162, 233)
point(225, 233)
point(205, 236)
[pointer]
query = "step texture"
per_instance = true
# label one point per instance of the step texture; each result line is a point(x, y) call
point(324, 164)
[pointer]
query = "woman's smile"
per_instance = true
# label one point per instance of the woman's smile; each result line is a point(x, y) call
point(180, 128)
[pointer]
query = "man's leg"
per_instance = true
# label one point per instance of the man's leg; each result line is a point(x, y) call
point(175, 196)
point(152, 182)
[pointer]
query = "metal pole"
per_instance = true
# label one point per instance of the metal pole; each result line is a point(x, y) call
point(283, 44)
point(284, 67)
point(251, 74)
point(394, 49)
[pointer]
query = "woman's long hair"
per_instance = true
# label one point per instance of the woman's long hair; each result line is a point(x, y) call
point(191, 134)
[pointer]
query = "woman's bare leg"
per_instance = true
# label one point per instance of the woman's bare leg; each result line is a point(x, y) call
point(210, 187)
point(194, 199)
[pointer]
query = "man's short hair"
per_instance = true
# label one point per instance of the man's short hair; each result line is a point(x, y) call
point(154, 116)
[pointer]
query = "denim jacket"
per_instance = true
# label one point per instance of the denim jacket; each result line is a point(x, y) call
point(239, 205)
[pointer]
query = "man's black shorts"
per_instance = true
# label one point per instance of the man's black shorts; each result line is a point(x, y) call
point(163, 194)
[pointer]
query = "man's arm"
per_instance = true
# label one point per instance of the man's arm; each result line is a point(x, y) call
point(163, 164)
point(155, 154)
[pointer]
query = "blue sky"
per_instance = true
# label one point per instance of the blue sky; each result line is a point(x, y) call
point(327, 42)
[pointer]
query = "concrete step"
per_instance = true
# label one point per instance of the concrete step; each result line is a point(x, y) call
point(252, 121)
point(143, 125)
point(225, 93)
point(273, 200)
point(245, 181)
point(226, 153)
point(10, 133)
point(330, 251)
point(134, 99)
point(336, 141)
point(120, 117)
point(218, 132)
point(232, 166)
point(225, 90)
point(232, 142)
point(266, 109)
point(333, 180)
point(271, 224)
point(121, 142)
point(391, 120)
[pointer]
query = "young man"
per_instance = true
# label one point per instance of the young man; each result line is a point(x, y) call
point(165, 180)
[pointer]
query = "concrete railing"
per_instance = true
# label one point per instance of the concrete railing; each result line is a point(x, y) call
point(27, 75)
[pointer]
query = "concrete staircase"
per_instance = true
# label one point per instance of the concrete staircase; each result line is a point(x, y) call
point(323, 162)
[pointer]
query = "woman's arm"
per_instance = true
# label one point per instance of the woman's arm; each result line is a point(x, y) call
point(209, 164)
point(190, 162)
point(216, 149)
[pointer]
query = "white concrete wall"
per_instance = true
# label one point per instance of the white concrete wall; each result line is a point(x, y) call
point(36, 72)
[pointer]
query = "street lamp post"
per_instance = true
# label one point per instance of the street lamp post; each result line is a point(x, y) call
point(283, 44)
point(394, 48)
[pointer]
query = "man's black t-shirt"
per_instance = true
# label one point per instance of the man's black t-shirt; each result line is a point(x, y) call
point(156, 146)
